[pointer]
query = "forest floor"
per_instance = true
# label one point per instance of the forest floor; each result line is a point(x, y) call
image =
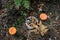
point(9, 17)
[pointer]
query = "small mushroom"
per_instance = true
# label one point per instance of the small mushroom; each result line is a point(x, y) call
point(43, 16)
point(12, 30)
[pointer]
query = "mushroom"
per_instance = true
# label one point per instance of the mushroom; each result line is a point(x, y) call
point(43, 16)
point(12, 30)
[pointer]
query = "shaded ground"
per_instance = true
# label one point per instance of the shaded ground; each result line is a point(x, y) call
point(9, 17)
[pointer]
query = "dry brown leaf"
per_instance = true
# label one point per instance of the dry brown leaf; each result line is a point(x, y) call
point(43, 29)
point(34, 21)
point(35, 26)
point(43, 32)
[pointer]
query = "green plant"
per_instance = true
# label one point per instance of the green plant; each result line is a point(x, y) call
point(19, 3)
point(8, 5)
point(25, 3)
point(21, 20)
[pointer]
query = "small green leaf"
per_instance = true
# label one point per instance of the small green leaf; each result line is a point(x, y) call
point(21, 20)
point(26, 4)
point(8, 6)
point(24, 14)
point(21, 13)
point(17, 23)
point(18, 3)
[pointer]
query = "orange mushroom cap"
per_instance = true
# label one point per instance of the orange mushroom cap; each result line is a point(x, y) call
point(43, 16)
point(12, 30)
